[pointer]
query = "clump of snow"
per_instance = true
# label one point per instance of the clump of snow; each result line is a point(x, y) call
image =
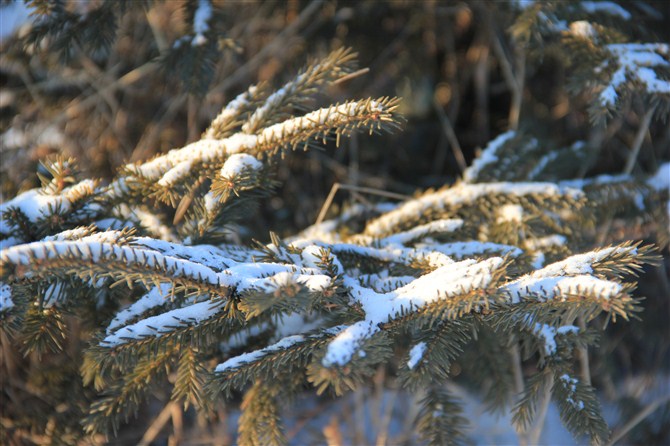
point(231, 111)
point(35, 204)
point(510, 213)
point(462, 250)
point(416, 354)
point(200, 151)
point(561, 287)
point(545, 242)
point(6, 301)
point(583, 28)
point(661, 180)
point(548, 335)
point(175, 174)
point(238, 163)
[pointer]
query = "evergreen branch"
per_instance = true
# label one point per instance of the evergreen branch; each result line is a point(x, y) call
point(375, 115)
point(285, 293)
point(260, 423)
point(436, 348)
point(451, 202)
point(99, 259)
point(191, 377)
point(441, 420)
point(579, 408)
point(43, 330)
point(125, 397)
point(233, 114)
point(524, 411)
point(295, 93)
point(284, 358)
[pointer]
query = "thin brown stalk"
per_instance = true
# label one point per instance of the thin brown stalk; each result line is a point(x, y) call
point(365, 190)
point(451, 135)
point(639, 138)
point(637, 419)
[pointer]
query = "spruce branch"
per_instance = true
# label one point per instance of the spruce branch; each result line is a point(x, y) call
point(441, 420)
point(260, 423)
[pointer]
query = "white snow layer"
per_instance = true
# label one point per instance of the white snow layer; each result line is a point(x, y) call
point(606, 7)
point(547, 334)
point(231, 111)
point(6, 301)
point(35, 204)
point(157, 326)
point(661, 180)
point(155, 297)
point(442, 283)
point(418, 232)
point(635, 61)
point(416, 354)
point(238, 163)
point(252, 356)
point(200, 22)
point(461, 194)
point(488, 156)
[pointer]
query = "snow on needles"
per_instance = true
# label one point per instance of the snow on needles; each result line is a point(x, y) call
point(568, 277)
point(635, 61)
point(157, 326)
point(252, 356)
point(239, 162)
point(461, 194)
point(416, 354)
point(442, 283)
point(488, 156)
point(6, 301)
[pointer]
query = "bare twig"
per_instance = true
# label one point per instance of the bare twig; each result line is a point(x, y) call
point(518, 384)
point(514, 80)
point(637, 419)
point(365, 190)
point(538, 425)
point(353, 75)
point(639, 138)
point(451, 135)
point(583, 352)
point(157, 425)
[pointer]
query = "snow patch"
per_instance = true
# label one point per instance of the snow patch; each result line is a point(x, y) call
point(6, 301)
point(416, 354)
